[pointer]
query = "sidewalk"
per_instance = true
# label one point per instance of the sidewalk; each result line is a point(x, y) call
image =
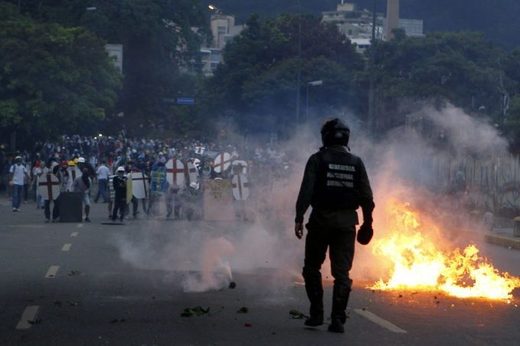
point(503, 237)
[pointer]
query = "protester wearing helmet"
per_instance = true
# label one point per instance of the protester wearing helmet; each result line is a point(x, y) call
point(335, 184)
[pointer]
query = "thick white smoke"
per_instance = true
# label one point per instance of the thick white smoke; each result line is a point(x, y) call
point(404, 164)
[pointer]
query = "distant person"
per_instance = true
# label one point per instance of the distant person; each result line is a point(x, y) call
point(335, 184)
point(49, 169)
point(82, 184)
point(102, 174)
point(119, 184)
point(18, 175)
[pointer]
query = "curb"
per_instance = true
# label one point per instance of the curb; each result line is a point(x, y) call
point(502, 240)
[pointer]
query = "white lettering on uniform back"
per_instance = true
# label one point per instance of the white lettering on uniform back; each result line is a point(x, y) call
point(345, 168)
point(340, 183)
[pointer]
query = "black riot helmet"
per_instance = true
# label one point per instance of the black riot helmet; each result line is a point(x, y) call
point(335, 132)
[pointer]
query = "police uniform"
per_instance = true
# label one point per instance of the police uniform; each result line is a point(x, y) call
point(335, 184)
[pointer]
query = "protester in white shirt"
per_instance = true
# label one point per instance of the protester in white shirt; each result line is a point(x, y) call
point(18, 174)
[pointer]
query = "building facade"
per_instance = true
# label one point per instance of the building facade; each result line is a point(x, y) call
point(357, 24)
point(223, 30)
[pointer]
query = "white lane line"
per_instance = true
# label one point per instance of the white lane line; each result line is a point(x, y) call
point(28, 316)
point(51, 273)
point(74, 234)
point(378, 320)
point(66, 247)
point(80, 225)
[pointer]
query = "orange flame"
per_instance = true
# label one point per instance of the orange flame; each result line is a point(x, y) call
point(418, 264)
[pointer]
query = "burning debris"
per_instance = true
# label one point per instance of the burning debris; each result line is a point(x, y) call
point(419, 264)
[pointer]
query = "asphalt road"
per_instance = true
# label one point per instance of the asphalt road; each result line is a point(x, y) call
point(96, 284)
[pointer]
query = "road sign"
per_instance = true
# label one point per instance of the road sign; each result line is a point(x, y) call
point(185, 101)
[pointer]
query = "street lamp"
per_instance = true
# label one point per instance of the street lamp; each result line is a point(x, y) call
point(310, 84)
point(214, 9)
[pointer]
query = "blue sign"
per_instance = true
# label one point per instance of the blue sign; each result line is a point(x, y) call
point(185, 101)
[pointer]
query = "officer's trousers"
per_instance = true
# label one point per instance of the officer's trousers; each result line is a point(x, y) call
point(341, 245)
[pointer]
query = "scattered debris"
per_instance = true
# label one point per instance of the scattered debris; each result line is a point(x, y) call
point(243, 310)
point(74, 273)
point(71, 303)
point(297, 315)
point(232, 284)
point(35, 321)
point(248, 325)
point(196, 311)
point(115, 320)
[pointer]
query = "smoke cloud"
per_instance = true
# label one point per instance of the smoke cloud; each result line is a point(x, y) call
point(408, 164)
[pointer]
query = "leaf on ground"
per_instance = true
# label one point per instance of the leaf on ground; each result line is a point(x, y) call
point(195, 311)
point(297, 315)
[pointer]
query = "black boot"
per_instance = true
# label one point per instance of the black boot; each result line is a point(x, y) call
point(340, 296)
point(314, 320)
point(336, 326)
point(314, 291)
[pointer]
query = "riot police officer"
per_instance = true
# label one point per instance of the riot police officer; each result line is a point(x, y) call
point(335, 184)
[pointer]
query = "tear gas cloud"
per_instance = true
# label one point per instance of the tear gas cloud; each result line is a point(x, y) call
point(401, 164)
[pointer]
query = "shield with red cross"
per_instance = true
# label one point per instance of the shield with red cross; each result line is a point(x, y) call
point(49, 187)
point(222, 162)
point(140, 185)
point(240, 187)
point(176, 173)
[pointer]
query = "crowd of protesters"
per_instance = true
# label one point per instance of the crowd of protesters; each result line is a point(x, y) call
point(100, 156)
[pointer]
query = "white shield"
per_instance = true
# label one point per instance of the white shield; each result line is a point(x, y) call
point(193, 173)
point(200, 150)
point(140, 185)
point(240, 187)
point(72, 174)
point(175, 173)
point(222, 162)
point(49, 187)
point(111, 191)
point(239, 166)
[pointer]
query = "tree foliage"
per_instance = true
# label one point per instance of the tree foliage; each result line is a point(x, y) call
point(52, 78)
point(462, 68)
point(160, 49)
point(258, 81)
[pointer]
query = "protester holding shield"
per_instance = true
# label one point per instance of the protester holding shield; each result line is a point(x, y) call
point(49, 189)
point(119, 184)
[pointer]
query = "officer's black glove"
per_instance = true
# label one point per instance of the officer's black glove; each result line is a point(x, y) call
point(365, 234)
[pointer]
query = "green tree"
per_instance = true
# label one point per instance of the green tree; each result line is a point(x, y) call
point(258, 81)
point(160, 50)
point(461, 68)
point(52, 79)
